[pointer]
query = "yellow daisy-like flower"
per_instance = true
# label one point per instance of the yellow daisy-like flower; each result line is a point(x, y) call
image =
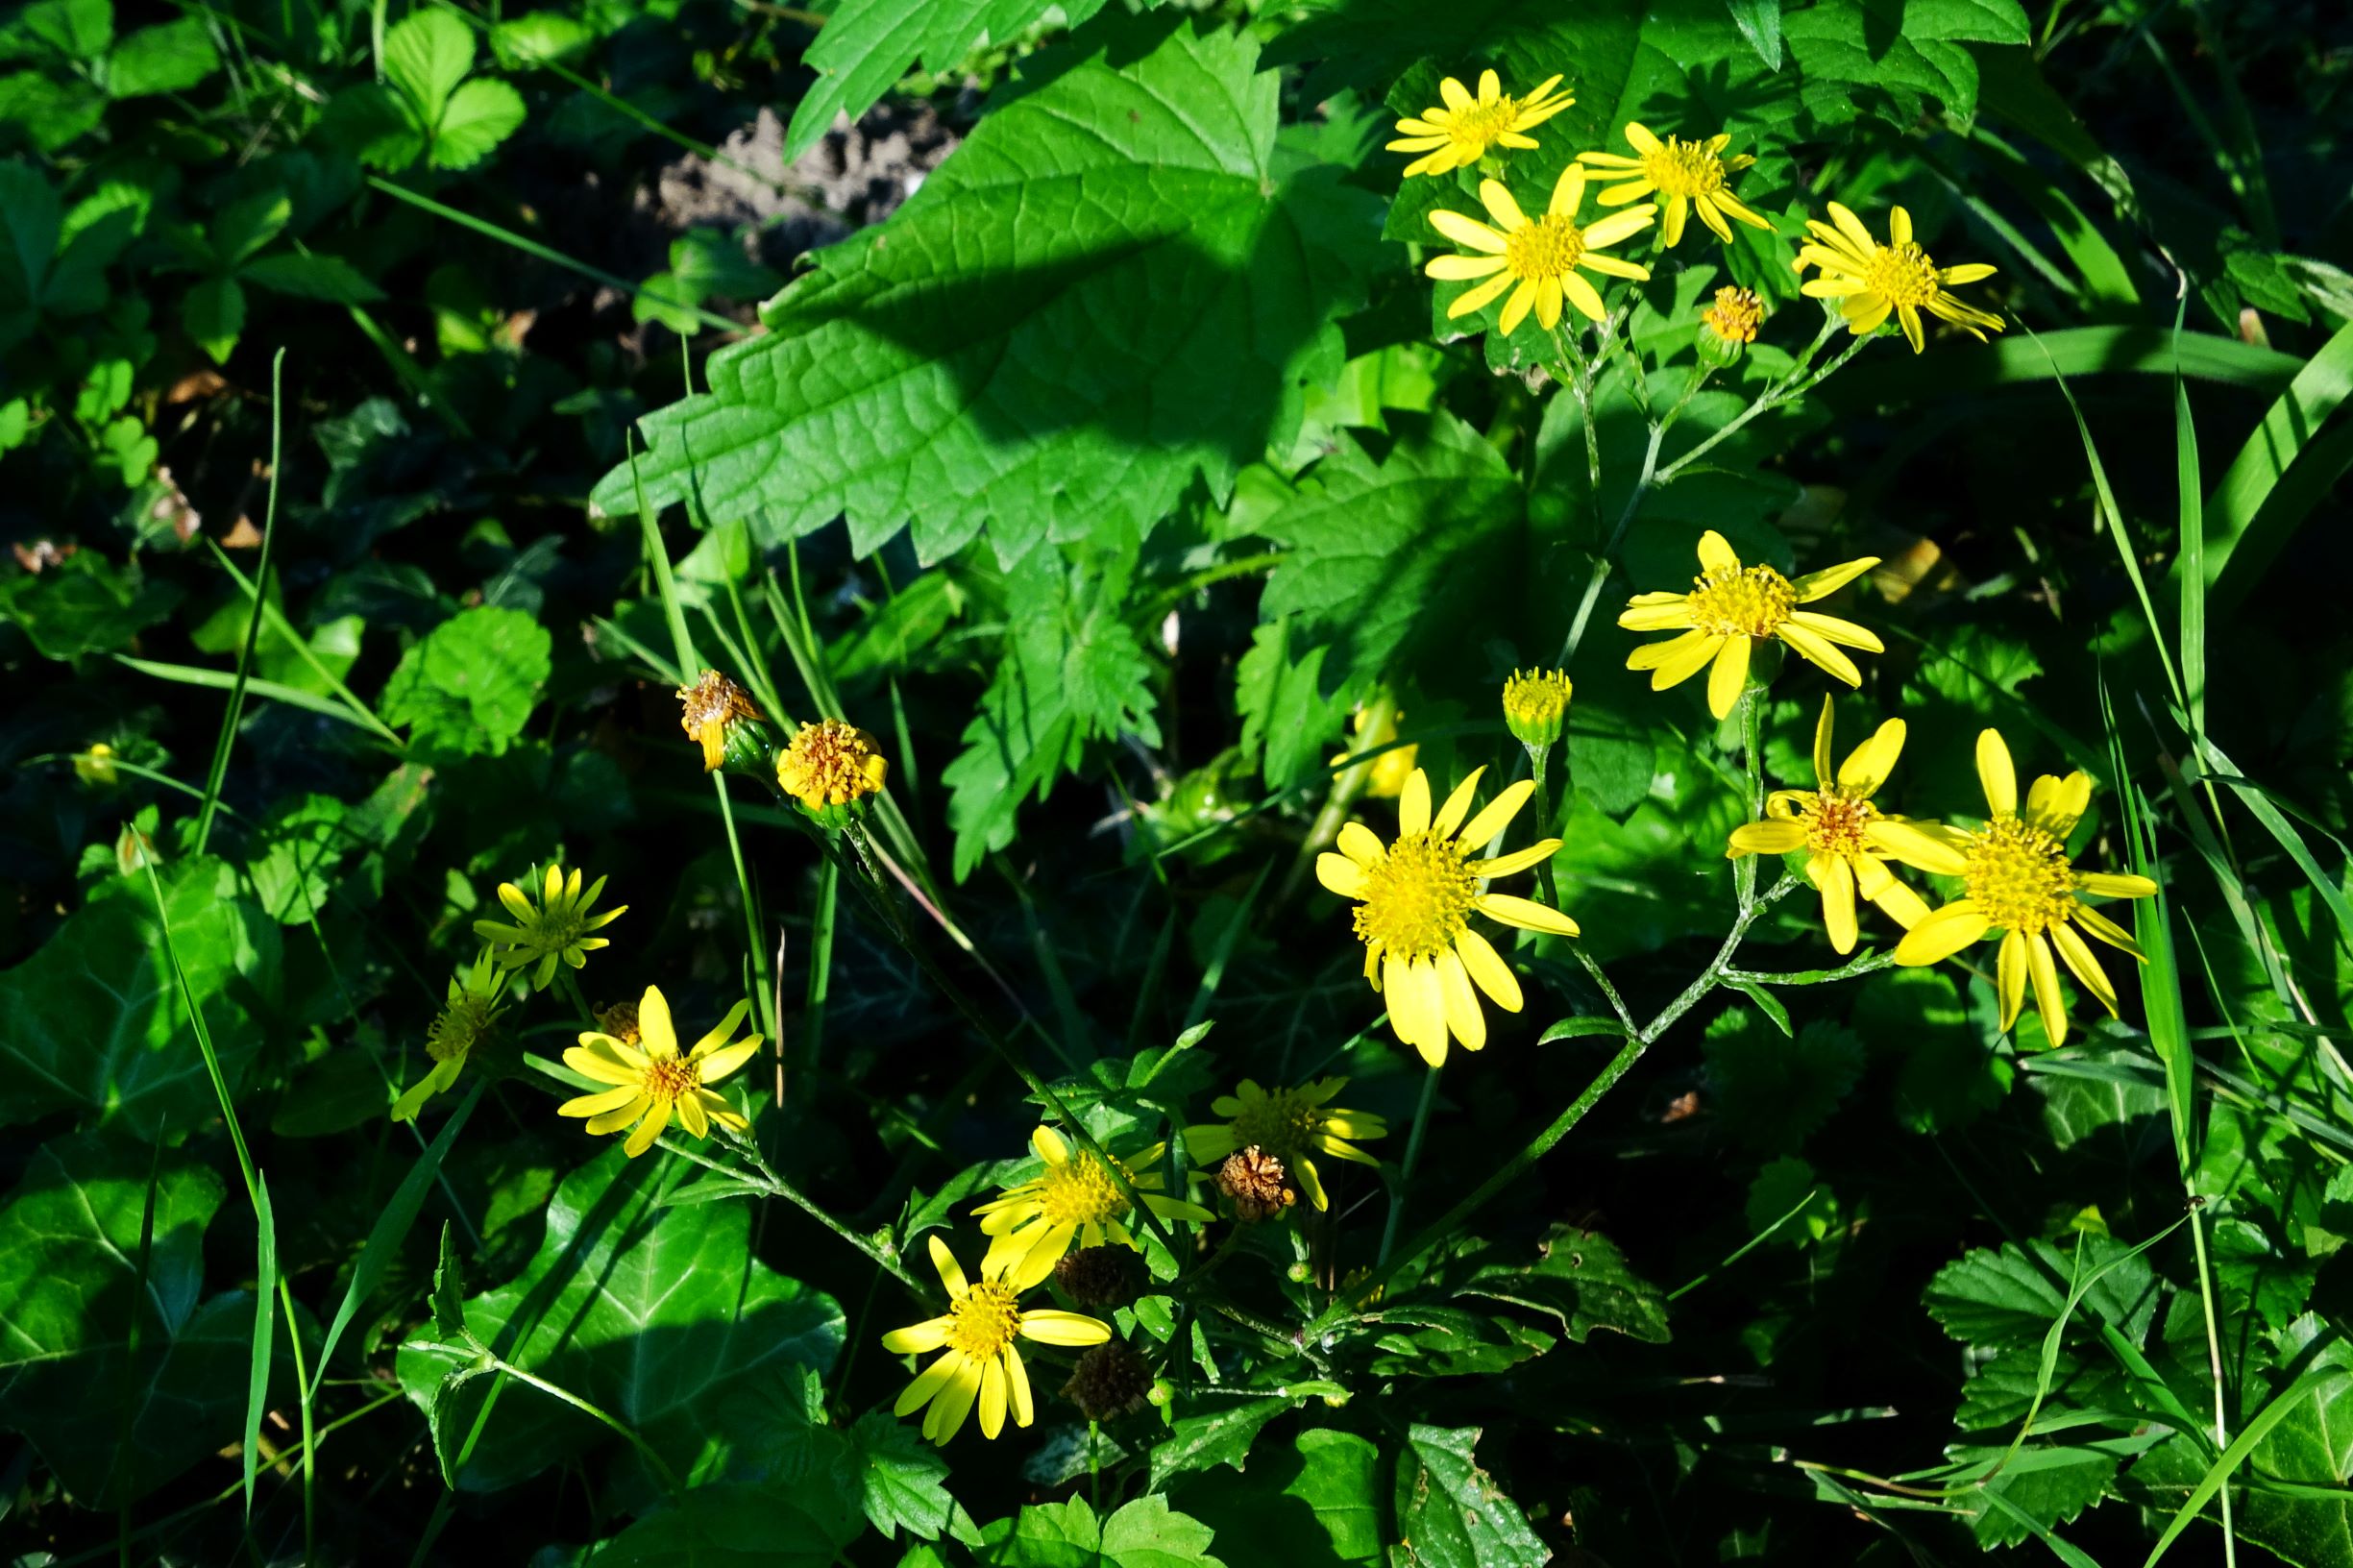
point(473, 1006)
point(1871, 280)
point(1415, 897)
point(1031, 1225)
point(558, 928)
point(651, 1080)
point(1376, 724)
point(982, 1364)
point(1291, 1124)
point(1542, 255)
point(2017, 880)
point(1688, 175)
point(1831, 822)
point(1535, 705)
point(1730, 608)
point(709, 707)
point(830, 763)
point(1457, 132)
point(1736, 316)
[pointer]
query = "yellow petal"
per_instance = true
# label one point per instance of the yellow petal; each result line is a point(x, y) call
point(2084, 964)
point(1497, 814)
point(1638, 136)
point(690, 1115)
point(654, 1031)
point(1666, 612)
point(1568, 193)
point(1823, 774)
point(1049, 1145)
point(1943, 933)
point(596, 1104)
point(1340, 874)
point(1716, 557)
point(1501, 205)
point(2011, 977)
point(1618, 226)
point(2047, 996)
point(1582, 295)
point(1413, 804)
point(1461, 269)
point(1468, 231)
point(1488, 971)
point(1462, 1015)
point(2116, 885)
point(1358, 842)
point(1830, 875)
point(947, 1414)
point(1515, 309)
point(1997, 774)
point(951, 1273)
point(656, 1122)
point(1831, 579)
point(1016, 1389)
point(1416, 1010)
point(1523, 913)
point(1868, 766)
point(1457, 805)
point(1913, 843)
point(1516, 861)
point(1832, 630)
point(1672, 663)
point(1774, 836)
point(1728, 676)
point(1049, 1327)
point(1817, 652)
point(916, 1338)
point(927, 1382)
point(991, 1397)
point(2055, 805)
point(1480, 298)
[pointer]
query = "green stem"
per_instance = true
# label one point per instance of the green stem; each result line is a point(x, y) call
point(1413, 1156)
point(2213, 1363)
point(886, 1258)
point(1784, 390)
point(820, 960)
point(302, 1384)
point(225, 742)
point(646, 1450)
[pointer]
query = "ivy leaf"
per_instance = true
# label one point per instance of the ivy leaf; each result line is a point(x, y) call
point(653, 1313)
point(69, 1281)
point(95, 1020)
point(1145, 1533)
point(1449, 1512)
point(867, 45)
point(1388, 561)
point(1101, 295)
point(1317, 1501)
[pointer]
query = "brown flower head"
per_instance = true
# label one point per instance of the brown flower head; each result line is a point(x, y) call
point(831, 764)
point(713, 705)
point(1097, 1277)
point(1257, 1182)
point(618, 1020)
point(1110, 1380)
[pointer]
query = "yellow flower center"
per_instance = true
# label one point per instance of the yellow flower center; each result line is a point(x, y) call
point(453, 1033)
point(672, 1077)
point(1683, 168)
point(1281, 1124)
point(1835, 822)
point(1418, 900)
point(1902, 275)
point(2018, 876)
point(1472, 129)
point(982, 1321)
point(1537, 697)
point(831, 762)
point(1080, 1191)
point(1748, 603)
point(1735, 315)
point(1546, 247)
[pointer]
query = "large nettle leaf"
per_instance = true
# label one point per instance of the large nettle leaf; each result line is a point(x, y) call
point(95, 1022)
point(652, 1314)
point(111, 1426)
point(1109, 288)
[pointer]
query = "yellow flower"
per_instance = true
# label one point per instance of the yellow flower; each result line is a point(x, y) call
point(1375, 724)
point(2017, 880)
point(1458, 133)
point(1416, 898)
point(96, 766)
point(1291, 1124)
point(1034, 1223)
point(710, 706)
point(1832, 822)
point(1541, 255)
point(1689, 174)
point(1869, 278)
point(1730, 608)
point(651, 1080)
point(982, 1363)
point(1736, 316)
point(1534, 704)
point(557, 928)
point(473, 1006)
point(831, 764)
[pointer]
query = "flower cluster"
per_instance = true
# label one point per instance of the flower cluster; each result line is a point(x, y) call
point(1535, 265)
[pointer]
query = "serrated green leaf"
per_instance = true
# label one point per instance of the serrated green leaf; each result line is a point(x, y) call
point(1107, 289)
point(69, 1279)
point(902, 1478)
point(1220, 1431)
point(652, 1314)
point(310, 276)
point(448, 1298)
point(1314, 1501)
point(1771, 1091)
point(480, 114)
point(471, 684)
point(1579, 1278)
point(1145, 1533)
point(426, 56)
point(2010, 1295)
point(1883, 55)
point(169, 57)
point(1449, 1512)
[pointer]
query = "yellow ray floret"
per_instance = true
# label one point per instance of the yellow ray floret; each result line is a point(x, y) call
point(1542, 260)
point(652, 1081)
point(1870, 280)
point(1074, 1200)
point(980, 1364)
point(1461, 131)
point(1687, 177)
point(1730, 608)
point(1829, 823)
point(2019, 880)
point(1414, 899)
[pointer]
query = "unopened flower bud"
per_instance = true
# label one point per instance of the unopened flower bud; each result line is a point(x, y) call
point(1535, 703)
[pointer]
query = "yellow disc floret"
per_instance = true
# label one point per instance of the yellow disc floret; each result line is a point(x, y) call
point(831, 764)
point(2018, 875)
point(1080, 1191)
point(1417, 899)
point(1753, 601)
point(983, 1321)
point(1683, 168)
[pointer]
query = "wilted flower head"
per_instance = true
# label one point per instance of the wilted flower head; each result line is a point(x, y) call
point(720, 717)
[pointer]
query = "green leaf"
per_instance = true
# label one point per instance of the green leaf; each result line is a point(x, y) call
point(1886, 55)
point(1220, 1432)
point(84, 604)
point(1145, 1533)
point(1288, 724)
point(1449, 1512)
point(902, 1478)
point(735, 1525)
point(537, 38)
point(214, 315)
point(95, 1024)
point(1579, 1278)
point(867, 45)
point(70, 1285)
point(2048, 1483)
point(426, 56)
point(1760, 23)
point(1099, 295)
point(2011, 1295)
point(1390, 562)
point(1772, 1092)
point(377, 126)
point(30, 216)
point(471, 685)
point(310, 276)
point(79, 31)
point(1073, 672)
point(448, 1298)
point(243, 226)
point(169, 57)
point(652, 1314)
point(479, 115)
point(1313, 1504)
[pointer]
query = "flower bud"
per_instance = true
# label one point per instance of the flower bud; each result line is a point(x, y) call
point(1730, 325)
point(1535, 702)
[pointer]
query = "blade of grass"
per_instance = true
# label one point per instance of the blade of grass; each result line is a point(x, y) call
point(820, 962)
point(226, 740)
point(2107, 283)
point(2321, 387)
point(2191, 562)
point(222, 680)
point(265, 1320)
point(533, 248)
point(2218, 1474)
point(410, 374)
point(127, 1404)
point(283, 628)
point(2075, 350)
point(2259, 802)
